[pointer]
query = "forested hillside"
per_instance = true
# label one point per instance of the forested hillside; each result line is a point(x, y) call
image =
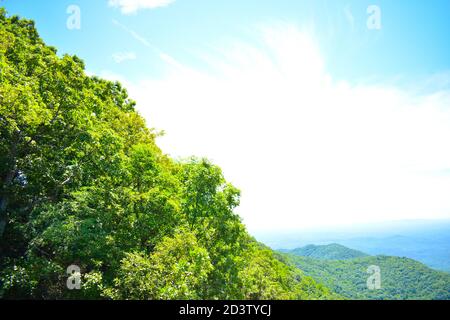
point(332, 251)
point(401, 278)
point(84, 183)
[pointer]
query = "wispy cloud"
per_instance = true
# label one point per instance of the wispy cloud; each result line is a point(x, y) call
point(133, 6)
point(304, 148)
point(163, 56)
point(134, 34)
point(120, 57)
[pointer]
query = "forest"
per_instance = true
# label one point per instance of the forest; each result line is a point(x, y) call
point(83, 183)
point(332, 251)
point(345, 271)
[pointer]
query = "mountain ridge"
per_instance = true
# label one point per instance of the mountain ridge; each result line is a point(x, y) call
point(401, 278)
point(332, 251)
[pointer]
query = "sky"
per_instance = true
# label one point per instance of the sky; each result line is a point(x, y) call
point(323, 113)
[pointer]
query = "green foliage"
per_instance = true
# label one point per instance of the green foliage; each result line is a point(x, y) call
point(332, 251)
point(84, 183)
point(268, 277)
point(401, 278)
point(177, 269)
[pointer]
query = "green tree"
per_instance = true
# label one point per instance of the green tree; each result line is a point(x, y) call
point(177, 269)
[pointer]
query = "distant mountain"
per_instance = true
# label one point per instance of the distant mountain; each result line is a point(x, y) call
point(432, 249)
point(332, 251)
point(401, 278)
point(427, 241)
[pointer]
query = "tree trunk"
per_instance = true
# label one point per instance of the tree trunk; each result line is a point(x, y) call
point(4, 197)
point(3, 215)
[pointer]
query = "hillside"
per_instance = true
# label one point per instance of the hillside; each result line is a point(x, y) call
point(83, 183)
point(401, 278)
point(332, 251)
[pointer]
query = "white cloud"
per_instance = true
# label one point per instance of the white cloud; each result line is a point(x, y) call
point(132, 6)
point(120, 57)
point(305, 150)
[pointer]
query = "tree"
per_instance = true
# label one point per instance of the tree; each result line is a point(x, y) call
point(177, 269)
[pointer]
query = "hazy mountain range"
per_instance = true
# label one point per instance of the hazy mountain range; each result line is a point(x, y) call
point(424, 241)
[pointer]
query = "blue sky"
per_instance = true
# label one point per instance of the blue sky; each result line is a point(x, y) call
point(315, 117)
point(413, 40)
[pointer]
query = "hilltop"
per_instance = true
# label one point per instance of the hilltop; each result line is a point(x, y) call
point(332, 251)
